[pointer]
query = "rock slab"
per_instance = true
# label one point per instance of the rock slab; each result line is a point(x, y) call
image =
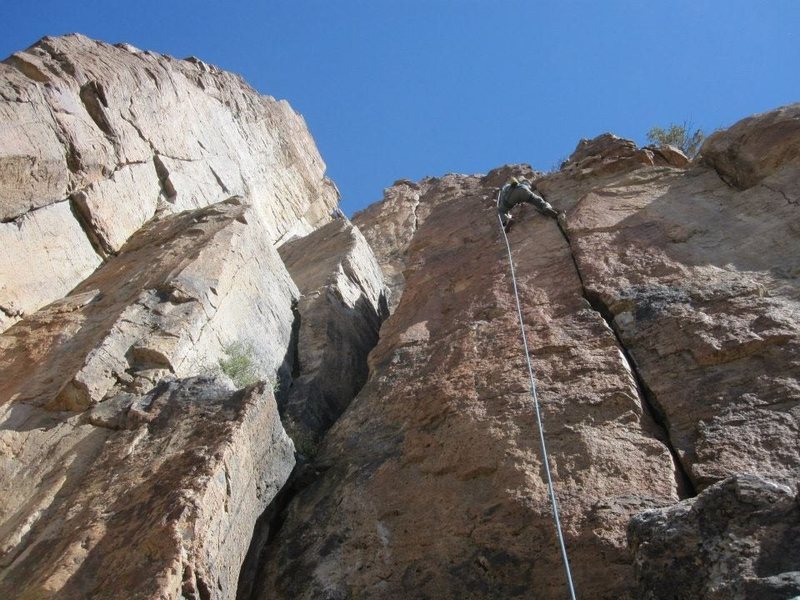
point(98, 139)
point(431, 484)
point(340, 311)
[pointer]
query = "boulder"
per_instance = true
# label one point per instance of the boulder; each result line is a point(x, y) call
point(740, 538)
point(756, 147)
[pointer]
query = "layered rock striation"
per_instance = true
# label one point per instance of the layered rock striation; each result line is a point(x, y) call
point(98, 139)
point(144, 199)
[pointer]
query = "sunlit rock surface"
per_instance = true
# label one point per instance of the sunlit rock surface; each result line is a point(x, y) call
point(101, 138)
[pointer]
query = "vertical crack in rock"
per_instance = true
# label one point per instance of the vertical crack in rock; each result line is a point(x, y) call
point(415, 222)
point(93, 96)
point(342, 305)
point(685, 486)
point(167, 187)
point(82, 214)
point(271, 520)
point(251, 581)
point(219, 180)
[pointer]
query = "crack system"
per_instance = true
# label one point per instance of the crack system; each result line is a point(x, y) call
point(685, 486)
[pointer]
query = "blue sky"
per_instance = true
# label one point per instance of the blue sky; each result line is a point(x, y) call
point(407, 88)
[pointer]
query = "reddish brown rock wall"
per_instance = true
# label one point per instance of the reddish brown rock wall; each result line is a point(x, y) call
point(433, 486)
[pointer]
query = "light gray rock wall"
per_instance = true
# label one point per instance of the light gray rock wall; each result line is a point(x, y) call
point(121, 135)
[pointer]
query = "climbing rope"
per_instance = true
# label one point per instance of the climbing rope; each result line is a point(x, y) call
point(535, 397)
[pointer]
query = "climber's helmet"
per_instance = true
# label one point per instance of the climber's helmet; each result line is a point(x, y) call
point(513, 181)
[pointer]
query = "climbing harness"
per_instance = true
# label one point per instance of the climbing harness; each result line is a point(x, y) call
point(534, 396)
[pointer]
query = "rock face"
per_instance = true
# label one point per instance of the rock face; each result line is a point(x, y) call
point(608, 154)
point(663, 325)
point(432, 485)
point(160, 216)
point(740, 538)
point(155, 501)
point(99, 457)
point(701, 282)
point(97, 139)
point(340, 311)
point(178, 293)
point(129, 466)
point(756, 148)
point(391, 225)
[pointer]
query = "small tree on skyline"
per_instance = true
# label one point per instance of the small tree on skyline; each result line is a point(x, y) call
point(680, 136)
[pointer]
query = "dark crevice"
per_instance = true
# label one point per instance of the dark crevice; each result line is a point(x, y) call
point(10, 312)
point(295, 341)
point(73, 158)
point(271, 520)
point(263, 544)
point(93, 96)
point(167, 188)
point(219, 181)
point(269, 524)
point(651, 407)
point(18, 220)
point(77, 204)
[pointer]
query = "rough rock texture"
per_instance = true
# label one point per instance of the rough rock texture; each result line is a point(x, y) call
point(740, 538)
point(29, 264)
point(701, 282)
point(340, 311)
point(141, 201)
point(179, 292)
point(432, 485)
point(104, 137)
point(389, 226)
point(157, 500)
point(89, 455)
point(608, 154)
point(756, 148)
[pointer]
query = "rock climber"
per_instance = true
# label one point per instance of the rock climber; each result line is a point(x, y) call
point(518, 191)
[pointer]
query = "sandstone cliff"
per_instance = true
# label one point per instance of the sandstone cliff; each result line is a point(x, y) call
point(164, 221)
